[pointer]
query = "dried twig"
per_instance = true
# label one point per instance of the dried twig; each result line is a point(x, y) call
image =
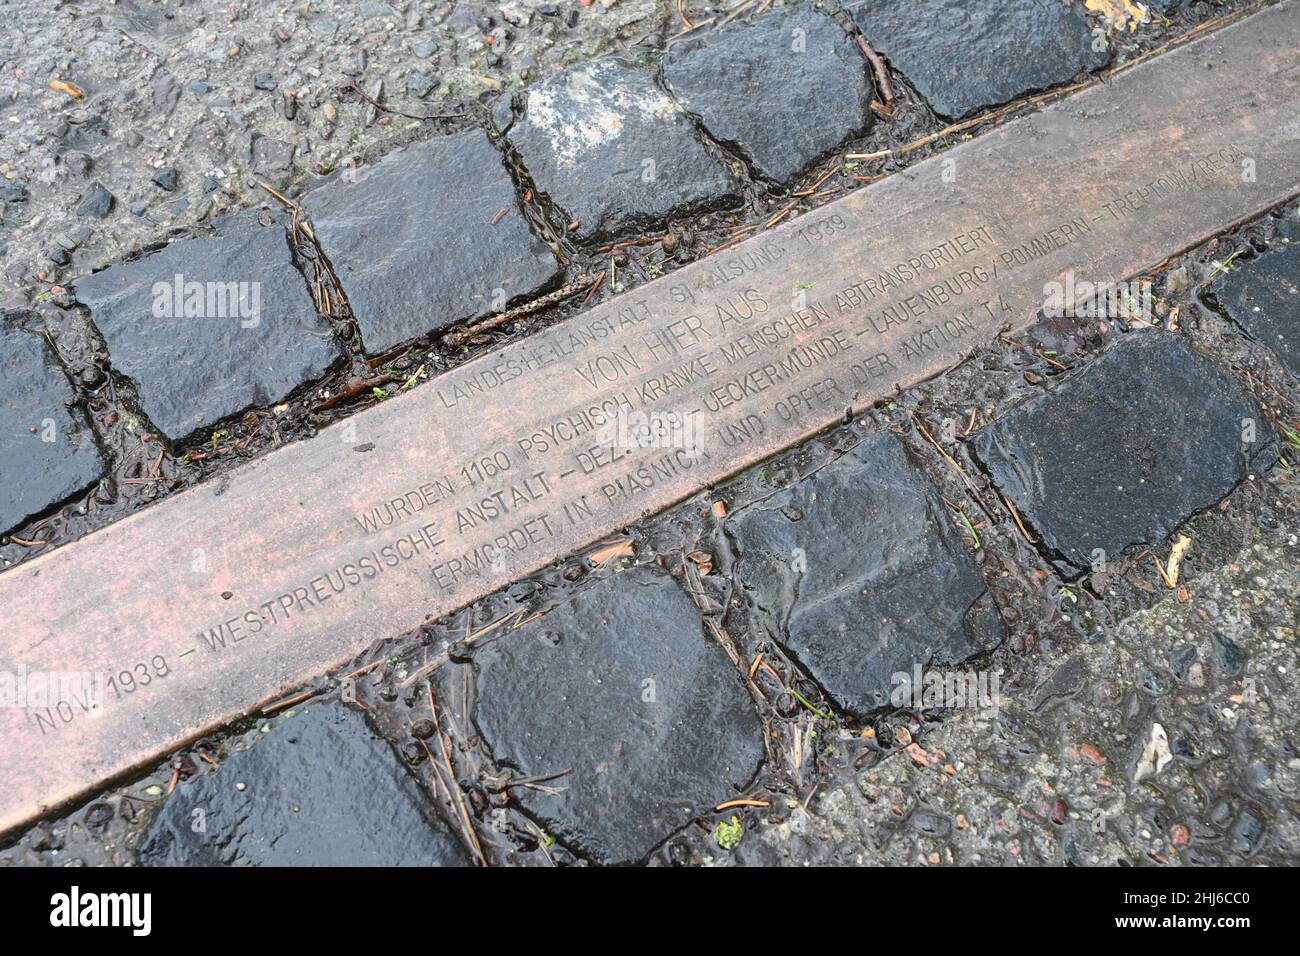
point(817, 185)
point(362, 671)
point(878, 67)
point(412, 380)
point(626, 243)
point(691, 29)
point(779, 216)
point(952, 462)
point(288, 702)
point(289, 203)
point(450, 782)
point(741, 803)
point(733, 241)
point(507, 780)
point(594, 286)
point(469, 640)
point(862, 157)
point(455, 339)
point(1024, 348)
point(357, 386)
point(1015, 514)
point(739, 9)
point(1160, 568)
point(388, 109)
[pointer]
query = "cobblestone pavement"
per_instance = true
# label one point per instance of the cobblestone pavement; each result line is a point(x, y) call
point(1076, 528)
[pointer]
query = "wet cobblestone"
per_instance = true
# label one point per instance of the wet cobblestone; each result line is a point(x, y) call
point(47, 449)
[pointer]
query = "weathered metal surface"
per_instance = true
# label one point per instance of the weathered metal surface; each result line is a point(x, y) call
point(224, 597)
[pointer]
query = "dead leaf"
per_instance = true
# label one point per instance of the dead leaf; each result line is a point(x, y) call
point(608, 552)
point(702, 560)
point(1176, 555)
point(1124, 14)
point(71, 89)
point(1155, 755)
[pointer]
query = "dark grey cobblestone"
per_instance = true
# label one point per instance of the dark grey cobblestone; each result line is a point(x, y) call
point(965, 56)
point(320, 790)
point(47, 449)
point(428, 237)
point(1126, 450)
point(192, 371)
point(621, 688)
point(784, 91)
point(611, 150)
point(858, 570)
point(1263, 297)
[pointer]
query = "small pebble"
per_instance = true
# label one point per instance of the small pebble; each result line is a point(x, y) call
point(165, 179)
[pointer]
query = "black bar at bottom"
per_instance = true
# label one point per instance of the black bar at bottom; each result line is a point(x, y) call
point(267, 910)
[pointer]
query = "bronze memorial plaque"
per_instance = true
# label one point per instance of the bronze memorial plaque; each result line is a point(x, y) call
point(243, 588)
